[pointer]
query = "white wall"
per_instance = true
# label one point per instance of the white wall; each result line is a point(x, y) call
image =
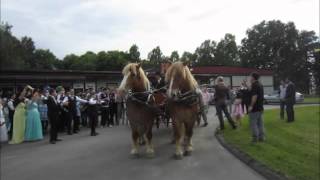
point(267, 82)
point(91, 85)
point(237, 80)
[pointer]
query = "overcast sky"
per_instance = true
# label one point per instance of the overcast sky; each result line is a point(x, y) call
point(76, 26)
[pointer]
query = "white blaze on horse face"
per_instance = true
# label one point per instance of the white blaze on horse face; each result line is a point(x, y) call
point(123, 84)
point(170, 87)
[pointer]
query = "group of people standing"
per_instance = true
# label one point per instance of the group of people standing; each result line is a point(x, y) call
point(31, 112)
point(24, 117)
point(248, 99)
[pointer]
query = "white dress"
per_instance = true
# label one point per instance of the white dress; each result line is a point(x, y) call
point(3, 128)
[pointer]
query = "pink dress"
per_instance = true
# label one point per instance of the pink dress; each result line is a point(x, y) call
point(237, 110)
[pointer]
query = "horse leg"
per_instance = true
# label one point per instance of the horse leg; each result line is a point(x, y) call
point(149, 145)
point(189, 133)
point(135, 144)
point(178, 138)
point(173, 140)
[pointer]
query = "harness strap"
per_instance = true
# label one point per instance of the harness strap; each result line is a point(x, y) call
point(188, 98)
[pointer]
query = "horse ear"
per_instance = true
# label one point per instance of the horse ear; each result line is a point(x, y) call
point(138, 65)
point(185, 63)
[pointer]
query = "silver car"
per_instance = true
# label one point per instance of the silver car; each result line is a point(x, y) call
point(275, 97)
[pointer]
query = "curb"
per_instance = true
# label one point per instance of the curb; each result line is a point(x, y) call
point(260, 168)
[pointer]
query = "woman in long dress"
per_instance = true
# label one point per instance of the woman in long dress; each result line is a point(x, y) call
point(33, 122)
point(19, 117)
point(3, 128)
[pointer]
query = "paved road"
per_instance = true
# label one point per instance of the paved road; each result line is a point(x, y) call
point(107, 157)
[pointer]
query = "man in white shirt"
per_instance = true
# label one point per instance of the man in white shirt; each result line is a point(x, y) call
point(74, 111)
point(282, 96)
point(62, 100)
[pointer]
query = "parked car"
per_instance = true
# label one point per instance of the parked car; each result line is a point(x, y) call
point(275, 97)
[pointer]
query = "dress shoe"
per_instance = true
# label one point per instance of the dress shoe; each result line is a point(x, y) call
point(205, 125)
point(52, 142)
point(94, 134)
point(58, 139)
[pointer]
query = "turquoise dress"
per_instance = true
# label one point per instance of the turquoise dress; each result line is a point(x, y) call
point(33, 123)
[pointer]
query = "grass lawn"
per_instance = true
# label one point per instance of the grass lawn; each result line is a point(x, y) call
point(291, 148)
point(312, 99)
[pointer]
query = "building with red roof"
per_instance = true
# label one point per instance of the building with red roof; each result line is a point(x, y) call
point(233, 76)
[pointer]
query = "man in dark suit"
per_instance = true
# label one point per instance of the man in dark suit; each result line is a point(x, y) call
point(159, 82)
point(53, 115)
point(290, 99)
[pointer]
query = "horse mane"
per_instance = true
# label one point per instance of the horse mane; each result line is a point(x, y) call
point(178, 68)
point(132, 68)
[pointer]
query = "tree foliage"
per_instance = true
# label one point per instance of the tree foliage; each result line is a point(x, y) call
point(134, 53)
point(205, 53)
point(282, 48)
point(174, 56)
point(21, 53)
point(156, 56)
point(226, 52)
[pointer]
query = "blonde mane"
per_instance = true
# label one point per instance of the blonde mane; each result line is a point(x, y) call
point(179, 69)
point(131, 69)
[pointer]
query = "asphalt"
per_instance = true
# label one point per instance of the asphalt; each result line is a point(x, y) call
point(82, 157)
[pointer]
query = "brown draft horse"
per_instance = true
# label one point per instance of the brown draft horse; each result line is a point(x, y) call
point(139, 106)
point(183, 105)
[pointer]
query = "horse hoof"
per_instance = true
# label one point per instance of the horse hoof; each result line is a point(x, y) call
point(150, 155)
point(135, 156)
point(178, 156)
point(134, 153)
point(187, 153)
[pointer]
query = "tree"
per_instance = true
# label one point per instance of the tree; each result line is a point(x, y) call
point(155, 56)
point(226, 52)
point(22, 54)
point(174, 56)
point(188, 57)
point(134, 53)
point(316, 68)
point(28, 48)
point(44, 59)
point(205, 53)
point(280, 47)
point(88, 61)
point(10, 49)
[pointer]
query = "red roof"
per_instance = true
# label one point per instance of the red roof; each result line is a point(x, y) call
point(228, 70)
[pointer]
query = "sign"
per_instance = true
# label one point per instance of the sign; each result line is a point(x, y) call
point(78, 86)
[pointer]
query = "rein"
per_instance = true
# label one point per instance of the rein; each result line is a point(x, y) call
point(159, 89)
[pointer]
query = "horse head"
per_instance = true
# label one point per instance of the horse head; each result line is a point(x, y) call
point(180, 79)
point(134, 78)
